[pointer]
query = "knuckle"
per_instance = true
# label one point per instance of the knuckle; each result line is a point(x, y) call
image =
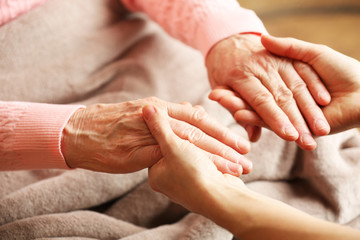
point(302, 68)
point(224, 152)
point(298, 87)
point(224, 135)
point(154, 100)
point(235, 72)
point(200, 108)
point(311, 108)
point(283, 96)
point(195, 135)
point(241, 71)
point(199, 115)
point(260, 99)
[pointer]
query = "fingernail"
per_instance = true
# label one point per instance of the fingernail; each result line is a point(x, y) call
point(149, 111)
point(247, 164)
point(243, 146)
point(235, 168)
point(325, 97)
point(290, 131)
point(322, 126)
point(307, 140)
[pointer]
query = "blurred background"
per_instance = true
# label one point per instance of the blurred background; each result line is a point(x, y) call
point(335, 23)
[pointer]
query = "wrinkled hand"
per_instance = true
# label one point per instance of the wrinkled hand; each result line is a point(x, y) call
point(262, 89)
point(114, 137)
point(340, 74)
point(185, 171)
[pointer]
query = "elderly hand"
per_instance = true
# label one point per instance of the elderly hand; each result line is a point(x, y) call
point(185, 172)
point(246, 77)
point(340, 74)
point(114, 137)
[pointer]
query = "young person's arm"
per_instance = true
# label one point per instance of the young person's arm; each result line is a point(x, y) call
point(187, 175)
point(249, 215)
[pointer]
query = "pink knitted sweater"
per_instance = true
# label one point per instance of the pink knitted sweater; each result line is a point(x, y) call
point(30, 133)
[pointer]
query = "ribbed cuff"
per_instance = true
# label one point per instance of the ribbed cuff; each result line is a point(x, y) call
point(38, 135)
point(224, 24)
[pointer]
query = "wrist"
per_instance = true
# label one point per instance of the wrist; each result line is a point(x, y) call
point(249, 215)
point(227, 203)
point(67, 137)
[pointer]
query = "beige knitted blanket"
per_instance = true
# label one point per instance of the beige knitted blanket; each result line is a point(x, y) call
point(80, 51)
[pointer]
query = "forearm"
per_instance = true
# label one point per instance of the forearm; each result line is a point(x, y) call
point(31, 133)
point(249, 215)
point(199, 23)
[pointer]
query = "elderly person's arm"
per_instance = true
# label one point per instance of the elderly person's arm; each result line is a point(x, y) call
point(187, 176)
point(30, 135)
point(229, 38)
point(106, 137)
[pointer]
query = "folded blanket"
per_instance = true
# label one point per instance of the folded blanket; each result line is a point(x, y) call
point(77, 51)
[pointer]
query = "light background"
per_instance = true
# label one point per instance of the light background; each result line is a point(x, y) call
point(335, 23)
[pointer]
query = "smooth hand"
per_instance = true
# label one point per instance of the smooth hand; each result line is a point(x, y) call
point(114, 137)
point(340, 74)
point(265, 90)
point(185, 172)
point(187, 175)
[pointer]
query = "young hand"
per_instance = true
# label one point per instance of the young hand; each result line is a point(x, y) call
point(185, 172)
point(339, 73)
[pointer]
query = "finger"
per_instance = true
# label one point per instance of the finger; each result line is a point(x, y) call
point(208, 144)
point(314, 83)
point(249, 117)
point(285, 100)
point(288, 104)
point(291, 48)
point(263, 102)
point(254, 132)
point(305, 52)
point(186, 104)
point(305, 102)
point(233, 103)
point(152, 155)
point(226, 166)
point(209, 126)
point(228, 99)
point(159, 127)
point(199, 107)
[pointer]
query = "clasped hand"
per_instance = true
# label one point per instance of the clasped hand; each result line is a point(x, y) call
point(264, 90)
point(114, 137)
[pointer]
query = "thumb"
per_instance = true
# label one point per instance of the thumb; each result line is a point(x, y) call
point(291, 48)
point(159, 127)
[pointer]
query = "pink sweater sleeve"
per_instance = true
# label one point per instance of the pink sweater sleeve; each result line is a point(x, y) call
point(30, 135)
point(199, 23)
point(9, 10)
